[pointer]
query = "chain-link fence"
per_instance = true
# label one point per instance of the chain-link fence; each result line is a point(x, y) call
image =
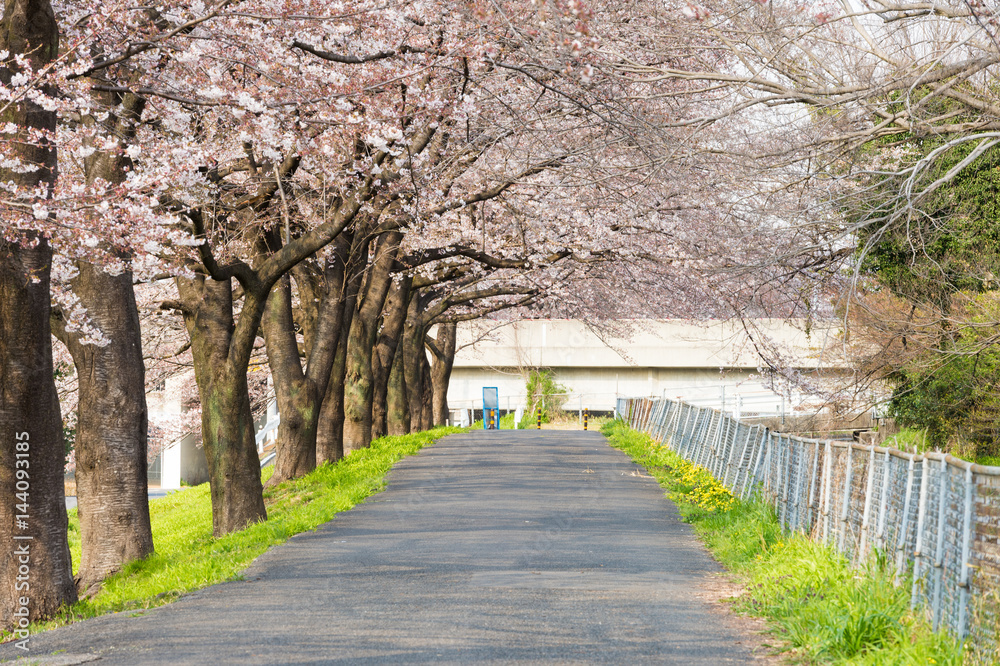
point(930, 515)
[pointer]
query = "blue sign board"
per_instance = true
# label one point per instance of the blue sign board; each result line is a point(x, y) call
point(491, 408)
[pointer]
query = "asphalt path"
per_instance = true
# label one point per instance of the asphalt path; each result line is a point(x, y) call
point(490, 547)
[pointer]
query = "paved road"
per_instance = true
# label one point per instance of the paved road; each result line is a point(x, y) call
point(499, 547)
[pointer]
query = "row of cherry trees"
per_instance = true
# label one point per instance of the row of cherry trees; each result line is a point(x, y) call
point(336, 186)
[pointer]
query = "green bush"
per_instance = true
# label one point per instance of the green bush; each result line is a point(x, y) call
point(545, 393)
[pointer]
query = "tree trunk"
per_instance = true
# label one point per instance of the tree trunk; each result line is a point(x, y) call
point(300, 393)
point(444, 360)
point(226, 420)
point(397, 403)
point(111, 431)
point(385, 353)
point(112, 425)
point(330, 435)
point(414, 359)
point(297, 397)
point(426, 396)
point(358, 378)
point(32, 453)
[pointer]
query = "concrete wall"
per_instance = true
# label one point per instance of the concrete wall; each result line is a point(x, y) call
point(183, 461)
point(710, 363)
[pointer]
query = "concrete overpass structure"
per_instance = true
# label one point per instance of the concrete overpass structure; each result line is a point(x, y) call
point(712, 363)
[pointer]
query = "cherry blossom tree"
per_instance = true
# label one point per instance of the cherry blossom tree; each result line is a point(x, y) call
point(339, 181)
point(31, 437)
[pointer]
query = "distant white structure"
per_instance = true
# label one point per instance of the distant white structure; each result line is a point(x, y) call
point(181, 461)
point(709, 363)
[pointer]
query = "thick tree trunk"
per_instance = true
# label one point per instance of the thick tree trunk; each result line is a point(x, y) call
point(444, 360)
point(297, 397)
point(330, 435)
point(112, 426)
point(426, 397)
point(300, 392)
point(385, 352)
point(233, 466)
point(414, 360)
point(111, 430)
point(36, 576)
point(358, 390)
point(397, 402)
point(226, 420)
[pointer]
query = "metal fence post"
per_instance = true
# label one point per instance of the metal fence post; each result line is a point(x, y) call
point(813, 505)
point(723, 440)
point(713, 448)
point(918, 553)
point(827, 490)
point(797, 488)
point(784, 478)
point(963, 584)
point(678, 446)
point(695, 435)
point(907, 502)
point(767, 468)
point(688, 434)
point(740, 478)
point(717, 443)
point(883, 502)
point(756, 466)
point(845, 504)
point(939, 546)
point(707, 425)
point(732, 456)
point(866, 513)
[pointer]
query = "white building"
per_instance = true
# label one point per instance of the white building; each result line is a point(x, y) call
point(713, 362)
point(182, 461)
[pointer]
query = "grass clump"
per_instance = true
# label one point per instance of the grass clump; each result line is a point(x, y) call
point(825, 611)
point(188, 558)
point(910, 439)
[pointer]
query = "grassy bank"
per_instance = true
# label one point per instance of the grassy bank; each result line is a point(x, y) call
point(914, 439)
point(188, 557)
point(823, 610)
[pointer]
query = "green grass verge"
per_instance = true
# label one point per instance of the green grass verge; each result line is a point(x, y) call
point(188, 558)
point(822, 609)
